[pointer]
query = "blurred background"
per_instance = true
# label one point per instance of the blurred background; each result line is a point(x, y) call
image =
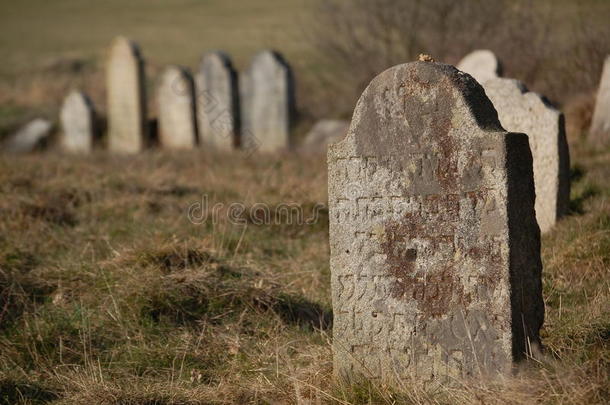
point(556, 47)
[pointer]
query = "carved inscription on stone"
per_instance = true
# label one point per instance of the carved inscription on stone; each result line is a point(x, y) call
point(420, 232)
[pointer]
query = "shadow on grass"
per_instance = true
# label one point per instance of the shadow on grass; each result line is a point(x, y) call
point(13, 392)
point(19, 291)
point(586, 192)
point(299, 311)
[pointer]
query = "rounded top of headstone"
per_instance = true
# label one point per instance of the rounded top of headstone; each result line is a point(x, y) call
point(78, 100)
point(176, 78)
point(76, 96)
point(418, 100)
point(124, 46)
point(481, 64)
point(504, 89)
point(216, 58)
point(269, 57)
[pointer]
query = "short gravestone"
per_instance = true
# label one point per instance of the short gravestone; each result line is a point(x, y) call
point(481, 64)
point(528, 113)
point(176, 104)
point(31, 137)
point(600, 126)
point(322, 134)
point(267, 102)
point(77, 119)
point(217, 102)
point(435, 251)
point(126, 98)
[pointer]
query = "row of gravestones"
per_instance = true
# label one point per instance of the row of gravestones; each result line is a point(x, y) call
point(435, 214)
point(485, 67)
point(212, 109)
point(522, 111)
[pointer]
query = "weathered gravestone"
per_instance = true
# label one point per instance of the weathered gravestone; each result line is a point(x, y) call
point(77, 123)
point(435, 250)
point(217, 102)
point(126, 99)
point(267, 102)
point(176, 103)
point(481, 64)
point(528, 113)
point(600, 126)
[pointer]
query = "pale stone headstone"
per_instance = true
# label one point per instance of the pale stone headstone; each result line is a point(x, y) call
point(528, 113)
point(481, 64)
point(176, 103)
point(33, 135)
point(322, 134)
point(127, 127)
point(217, 102)
point(267, 102)
point(600, 126)
point(77, 123)
point(435, 251)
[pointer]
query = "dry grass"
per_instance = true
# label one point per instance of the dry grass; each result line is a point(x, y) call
point(110, 295)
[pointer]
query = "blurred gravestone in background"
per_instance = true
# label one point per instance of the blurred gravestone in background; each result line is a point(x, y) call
point(127, 126)
point(32, 136)
point(528, 113)
point(217, 102)
point(176, 103)
point(435, 250)
point(322, 134)
point(267, 102)
point(78, 124)
point(600, 128)
point(481, 64)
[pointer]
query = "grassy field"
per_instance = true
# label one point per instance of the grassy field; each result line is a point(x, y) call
point(37, 32)
point(109, 294)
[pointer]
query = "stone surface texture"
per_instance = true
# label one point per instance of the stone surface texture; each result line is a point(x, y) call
point(127, 127)
point(481, 64)
point(435, 251)
point(218, 102)
point(323, 133)
point(77, 119)
point(30, 137)
point(528, 113)
point(176, 104)
point(600, 125)
point(267, 103)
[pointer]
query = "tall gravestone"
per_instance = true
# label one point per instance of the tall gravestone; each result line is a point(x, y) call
point(176, 103)
point(481, 64)
point(435, 250)
point(217, 102)
point(77, 123)
point(127, 128)
point(267, 102)
point(528, 113)
point(600, 126)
